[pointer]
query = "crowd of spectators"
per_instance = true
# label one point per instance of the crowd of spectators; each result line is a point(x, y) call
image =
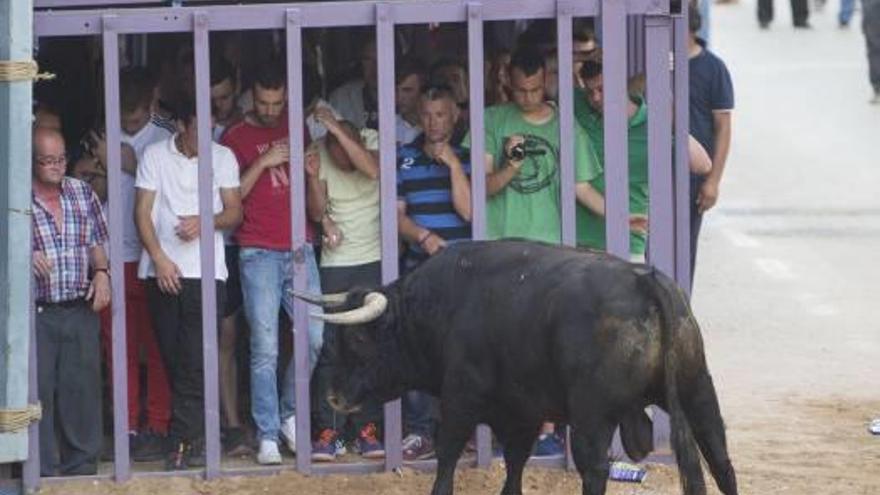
point(251, 200)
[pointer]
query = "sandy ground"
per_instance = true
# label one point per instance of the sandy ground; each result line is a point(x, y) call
point(785, 291)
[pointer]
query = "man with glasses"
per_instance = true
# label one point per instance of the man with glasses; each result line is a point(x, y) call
point(72, 284)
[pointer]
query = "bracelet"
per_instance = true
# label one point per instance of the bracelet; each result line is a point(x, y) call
point(425, 237)
point(105, 270)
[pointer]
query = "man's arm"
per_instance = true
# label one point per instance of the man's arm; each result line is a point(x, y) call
point(698, 157)
point(415, 233)
point(99, 290)
point(708, 195)
point(316, 189)
point(278, 154)
point(167, 273)
point(231, 215)
point(589, 197)
point(365, 160)
point(497, 180)
point(461, 186)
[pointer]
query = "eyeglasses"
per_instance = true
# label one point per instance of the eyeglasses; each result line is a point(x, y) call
point(50, 160)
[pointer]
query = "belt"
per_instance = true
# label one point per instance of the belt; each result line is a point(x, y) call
point(79, 301)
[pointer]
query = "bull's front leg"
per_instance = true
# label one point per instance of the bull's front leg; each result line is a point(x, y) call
point(453, 432)
point(518, 440)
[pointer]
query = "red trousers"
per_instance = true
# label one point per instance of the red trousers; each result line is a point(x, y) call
point(140, 337)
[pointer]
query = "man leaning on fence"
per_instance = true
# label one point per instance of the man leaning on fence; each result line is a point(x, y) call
point(167, 217)
point(72, 284)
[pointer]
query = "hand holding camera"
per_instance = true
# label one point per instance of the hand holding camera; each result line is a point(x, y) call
point(514, 150)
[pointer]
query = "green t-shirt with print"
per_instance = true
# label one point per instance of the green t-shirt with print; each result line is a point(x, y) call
point(591, 227)
point(528, 207)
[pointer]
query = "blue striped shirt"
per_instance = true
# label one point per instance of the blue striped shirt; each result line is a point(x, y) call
point(426, 187)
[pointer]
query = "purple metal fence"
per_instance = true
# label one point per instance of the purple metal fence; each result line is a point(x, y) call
point(654, 34)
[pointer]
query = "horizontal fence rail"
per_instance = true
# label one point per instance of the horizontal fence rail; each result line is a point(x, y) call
point(659, 34)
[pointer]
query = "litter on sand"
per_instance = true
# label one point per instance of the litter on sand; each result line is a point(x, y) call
point(874, 427)
point(623, 471)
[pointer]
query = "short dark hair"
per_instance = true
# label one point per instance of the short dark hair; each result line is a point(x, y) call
point(528, 59)
point(183, 109)
point(136, 86)
point(695, 20)
point(221, 70)
point(436, 92)
point(272, 74)
point(590, 69)
point(583, 29)
point(408, 66)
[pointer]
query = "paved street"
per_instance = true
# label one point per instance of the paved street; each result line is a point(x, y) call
point(787, 277)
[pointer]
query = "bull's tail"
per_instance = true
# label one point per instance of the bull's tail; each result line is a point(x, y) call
point(686, 453)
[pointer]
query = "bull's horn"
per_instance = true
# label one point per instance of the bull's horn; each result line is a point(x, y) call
point(373, 307)
point(319, 299)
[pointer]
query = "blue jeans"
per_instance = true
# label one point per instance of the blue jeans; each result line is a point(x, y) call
point(266, 277)
point(847, 7)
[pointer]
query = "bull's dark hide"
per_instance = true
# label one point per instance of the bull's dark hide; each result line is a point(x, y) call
point(515, 333)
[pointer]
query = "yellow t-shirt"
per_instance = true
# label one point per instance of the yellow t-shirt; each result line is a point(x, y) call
point(353, 204)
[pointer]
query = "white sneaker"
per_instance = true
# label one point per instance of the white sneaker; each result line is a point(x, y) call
point(288, 433)
point(268, 453)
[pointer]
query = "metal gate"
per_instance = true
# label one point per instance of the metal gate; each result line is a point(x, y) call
point(656, 34)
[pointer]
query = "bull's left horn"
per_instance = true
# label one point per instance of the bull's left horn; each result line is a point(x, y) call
point(373, 307)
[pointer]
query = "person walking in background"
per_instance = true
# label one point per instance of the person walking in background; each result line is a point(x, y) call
point(711, 113)
point(800, 13)
point(871, 28)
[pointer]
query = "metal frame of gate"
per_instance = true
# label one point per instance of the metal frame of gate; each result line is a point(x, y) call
point(655, 34)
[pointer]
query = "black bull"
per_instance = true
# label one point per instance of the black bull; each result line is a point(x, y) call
point(513, 333)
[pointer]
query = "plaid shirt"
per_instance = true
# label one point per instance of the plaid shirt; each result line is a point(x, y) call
point(82, 226)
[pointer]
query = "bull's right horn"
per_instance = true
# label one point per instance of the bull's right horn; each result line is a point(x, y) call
point(320, 299)
point(373, 307)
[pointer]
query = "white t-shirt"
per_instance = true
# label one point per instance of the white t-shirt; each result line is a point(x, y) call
point(175, 179)
point(151, 133)
point(353, 204)
point(406, 132)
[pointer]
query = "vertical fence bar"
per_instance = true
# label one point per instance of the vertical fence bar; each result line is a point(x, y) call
point(658, 37)
point(682, 173)
point(206, 243)
point(301, 353)
point(615, 120)
point(388, 188)
point(478, 167)
point(122, 465)
point(662, 224)
point(566, 94)
point(566, 120)
point(30, 470)
point(16, 35)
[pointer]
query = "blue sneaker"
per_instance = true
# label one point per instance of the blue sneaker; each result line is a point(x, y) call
point(368, 444)
point(325, 448)
point(549, 445)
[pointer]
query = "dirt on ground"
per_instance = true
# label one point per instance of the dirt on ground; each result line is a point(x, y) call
point(797, 446)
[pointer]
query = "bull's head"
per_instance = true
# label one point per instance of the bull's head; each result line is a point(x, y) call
point(361, 348)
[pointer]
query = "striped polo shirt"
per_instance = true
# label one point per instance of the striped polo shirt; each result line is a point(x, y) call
point(426, 187)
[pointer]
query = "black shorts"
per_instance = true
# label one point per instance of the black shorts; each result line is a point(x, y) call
point(233, 282)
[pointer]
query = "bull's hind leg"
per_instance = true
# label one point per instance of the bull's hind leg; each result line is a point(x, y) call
point(591, 438)
point(700, 404)
point(517, 440)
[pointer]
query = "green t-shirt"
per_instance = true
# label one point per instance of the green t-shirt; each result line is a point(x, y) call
point(590, 227)
point(528, 207)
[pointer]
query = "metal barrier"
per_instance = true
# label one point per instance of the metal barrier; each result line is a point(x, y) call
point(660, 33)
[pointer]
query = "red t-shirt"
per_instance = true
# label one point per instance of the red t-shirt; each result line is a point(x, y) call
point(266, 208)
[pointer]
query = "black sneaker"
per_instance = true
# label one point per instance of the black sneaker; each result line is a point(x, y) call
point(235, 443)
point(148, 446)
point(197, 453)
point(179, 458)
